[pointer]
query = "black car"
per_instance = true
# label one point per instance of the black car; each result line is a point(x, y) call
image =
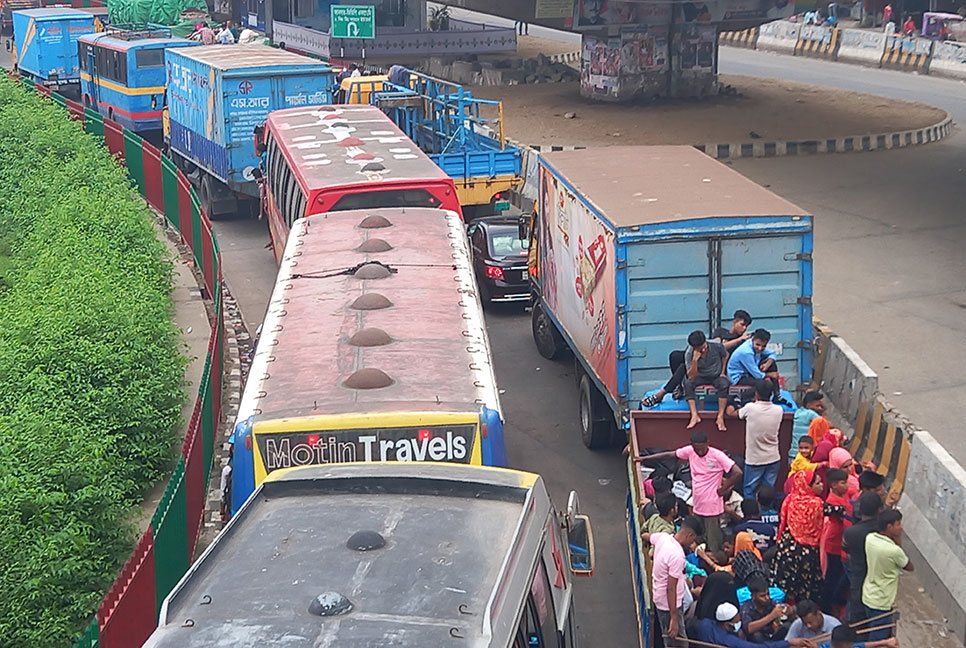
point(499, 259)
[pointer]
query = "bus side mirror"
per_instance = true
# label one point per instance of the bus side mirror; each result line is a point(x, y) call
point(523, 227)
point(580, 537)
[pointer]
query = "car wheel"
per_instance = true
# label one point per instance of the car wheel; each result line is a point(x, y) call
point(596, 421)
point(545, 334)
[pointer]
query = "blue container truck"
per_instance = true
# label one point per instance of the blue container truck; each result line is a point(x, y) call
point(45, 44)
point(632, 248)
point(216, 97)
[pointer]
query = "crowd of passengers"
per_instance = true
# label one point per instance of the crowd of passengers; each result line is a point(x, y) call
point(741, 559)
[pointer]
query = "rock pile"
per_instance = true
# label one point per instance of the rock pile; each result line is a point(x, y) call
point(514, 71)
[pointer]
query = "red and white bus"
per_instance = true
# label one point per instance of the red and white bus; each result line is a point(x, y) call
point(323, 159)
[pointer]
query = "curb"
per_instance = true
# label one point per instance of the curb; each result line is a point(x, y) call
point(854, 143)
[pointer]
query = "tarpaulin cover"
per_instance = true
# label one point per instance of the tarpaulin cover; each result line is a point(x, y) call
point(162, 12)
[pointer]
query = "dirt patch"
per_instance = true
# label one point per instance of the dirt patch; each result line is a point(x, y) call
point(770, 109)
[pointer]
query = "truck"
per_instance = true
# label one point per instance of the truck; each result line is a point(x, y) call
point(387, 555)
point(45, 44)
point(632, 248)
point(216, 96)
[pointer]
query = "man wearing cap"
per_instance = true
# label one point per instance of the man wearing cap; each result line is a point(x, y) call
point(724, 631)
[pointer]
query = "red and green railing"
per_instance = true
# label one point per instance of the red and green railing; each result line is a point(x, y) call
point(128, 613)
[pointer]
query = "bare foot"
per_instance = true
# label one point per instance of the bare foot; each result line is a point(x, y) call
point(721, 425)
point(695, 419)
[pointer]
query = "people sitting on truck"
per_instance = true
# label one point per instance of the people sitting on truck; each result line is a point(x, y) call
point(224, 36)
point(656, 485)
point(247, 36)
point(730, 338)
point(762, 457)
point(723, 631)
point(753, 361)
point(762, 618)
point(674, 386)
point(713, 476)
point(766, 501)
point(203, 34)
point(813, 406)
point(845, 637)
point(706, 362)
point(663, 520)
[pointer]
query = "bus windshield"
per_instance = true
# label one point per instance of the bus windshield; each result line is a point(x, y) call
point(386, 198)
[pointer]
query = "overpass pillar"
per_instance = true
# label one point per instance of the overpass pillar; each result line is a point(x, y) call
point(671, 57)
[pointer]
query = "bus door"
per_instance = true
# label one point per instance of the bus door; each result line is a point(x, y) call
point(92, 67)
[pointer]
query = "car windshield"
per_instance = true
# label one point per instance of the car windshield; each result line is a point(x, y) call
point(505, 241)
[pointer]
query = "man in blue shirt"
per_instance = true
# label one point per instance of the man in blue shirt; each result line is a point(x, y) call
point(752, 361)
point(844, 637)
point(724, 632)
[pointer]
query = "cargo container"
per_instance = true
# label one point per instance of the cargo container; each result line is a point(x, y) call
point(632, 248)
point(216, 97)
point(45, 44)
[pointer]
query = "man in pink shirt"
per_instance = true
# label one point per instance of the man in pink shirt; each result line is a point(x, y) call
point(713, 475)
point(667, 577)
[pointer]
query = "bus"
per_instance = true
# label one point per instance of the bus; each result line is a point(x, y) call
point(387, 555)
point(122, 75)
point(373, 349)
point(331, 158)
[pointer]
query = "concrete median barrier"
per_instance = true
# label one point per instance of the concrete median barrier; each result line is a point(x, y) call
point(780, 36)
point(817, 41)
point(861, 46)
point(908, 53)
point(948, 59)
point(746, 38)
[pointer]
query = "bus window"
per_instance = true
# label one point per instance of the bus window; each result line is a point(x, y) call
point(388, 198)
point(149, 58)
point(542, 601)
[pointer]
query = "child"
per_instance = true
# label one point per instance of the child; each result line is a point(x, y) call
point(766, 502)
point(803, 460)
point(838, 510)
point(813, 406)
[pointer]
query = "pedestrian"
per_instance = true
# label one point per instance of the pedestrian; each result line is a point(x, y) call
point(813, 406)
point(909, 27)
point(713, 475)
point(667, 577)
point(798, 568)
point(885, 560)
point(853, 545)
point(224, 36)
point(762, 457)
point(838, 512)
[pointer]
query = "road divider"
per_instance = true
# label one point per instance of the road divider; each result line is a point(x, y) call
point(907, 53)
point(861, 46)
point(948, 59)
point(779, 36)
point(746, 38)
point(817, 41)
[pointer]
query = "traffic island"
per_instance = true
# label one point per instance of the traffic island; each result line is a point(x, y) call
point(755, 118)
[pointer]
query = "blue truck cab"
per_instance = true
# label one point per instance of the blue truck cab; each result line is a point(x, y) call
point(45, 43)
point(632, 248)
point(216, 97)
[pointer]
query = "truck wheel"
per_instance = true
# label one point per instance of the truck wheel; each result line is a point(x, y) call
point(545, 334)
point(207, 198)
point(596, 421)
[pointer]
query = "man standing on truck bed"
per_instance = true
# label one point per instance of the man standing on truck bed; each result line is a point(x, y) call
point(667, 577)
point(713, 475)
point(706, 362)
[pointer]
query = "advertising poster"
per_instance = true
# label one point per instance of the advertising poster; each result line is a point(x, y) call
point(589, 14)
point(551, 9)
point(697, 46)
point(729, 10)
point(577, 255)
point(644, 48)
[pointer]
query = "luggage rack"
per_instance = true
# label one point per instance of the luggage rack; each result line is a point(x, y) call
point(137, 32)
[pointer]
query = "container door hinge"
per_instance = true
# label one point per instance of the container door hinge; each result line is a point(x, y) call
point(801, 256)
point(804, 344)
point(805, 300)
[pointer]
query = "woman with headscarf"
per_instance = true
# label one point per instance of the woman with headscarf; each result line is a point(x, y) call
point(719, 588)
point(797, 565)
point(826, 438)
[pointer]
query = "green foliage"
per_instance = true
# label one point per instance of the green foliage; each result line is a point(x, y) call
point(91, 381)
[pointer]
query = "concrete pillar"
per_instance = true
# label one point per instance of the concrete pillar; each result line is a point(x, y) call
point(417, 15)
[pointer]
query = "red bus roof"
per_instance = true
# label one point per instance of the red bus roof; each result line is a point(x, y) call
point(352, 144)
point(428, 337)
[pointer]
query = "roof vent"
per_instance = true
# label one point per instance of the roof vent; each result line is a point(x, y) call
point(364, 156)
point(374, 245)
point(370, 378)
point(366, 541)
point(372, 271)
point(371, 301)
point(370, 337)
point(375, 221)
point(339, 125)
point(350, 141)
point(374, 166)
point(327, 109)
point(329, 604)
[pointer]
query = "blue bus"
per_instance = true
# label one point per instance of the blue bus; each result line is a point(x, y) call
point(122, 75)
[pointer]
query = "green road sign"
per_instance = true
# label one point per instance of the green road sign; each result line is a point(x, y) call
point(353, 21)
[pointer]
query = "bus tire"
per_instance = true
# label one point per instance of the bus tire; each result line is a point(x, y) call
point(596, 420)
point(549, 342)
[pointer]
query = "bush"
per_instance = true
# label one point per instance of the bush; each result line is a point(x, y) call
point(91, 379)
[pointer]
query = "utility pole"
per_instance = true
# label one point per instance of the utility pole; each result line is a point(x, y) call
point(269, 17)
